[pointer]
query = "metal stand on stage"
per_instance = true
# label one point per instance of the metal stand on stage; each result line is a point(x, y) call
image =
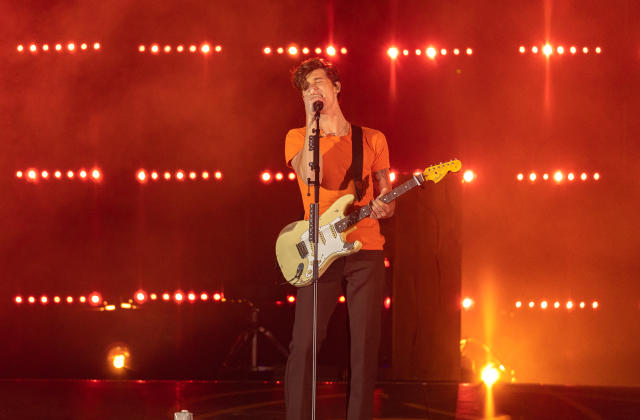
point(251, 335)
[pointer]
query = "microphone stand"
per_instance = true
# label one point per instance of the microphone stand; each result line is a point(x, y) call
point(314, 145)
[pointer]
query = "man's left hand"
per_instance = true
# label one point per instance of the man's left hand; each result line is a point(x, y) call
point(380, 209)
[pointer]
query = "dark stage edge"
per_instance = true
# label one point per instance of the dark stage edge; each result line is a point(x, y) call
point(130, 399)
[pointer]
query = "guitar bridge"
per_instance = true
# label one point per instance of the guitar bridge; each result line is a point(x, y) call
point(302, 249)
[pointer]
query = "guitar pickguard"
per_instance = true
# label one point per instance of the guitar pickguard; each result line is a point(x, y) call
point(330, 245)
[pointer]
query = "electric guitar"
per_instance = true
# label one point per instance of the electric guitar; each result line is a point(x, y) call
point(294, 250)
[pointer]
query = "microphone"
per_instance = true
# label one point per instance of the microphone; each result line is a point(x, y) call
point(317, 106)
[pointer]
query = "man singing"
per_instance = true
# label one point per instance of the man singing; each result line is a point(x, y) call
point(352, 160)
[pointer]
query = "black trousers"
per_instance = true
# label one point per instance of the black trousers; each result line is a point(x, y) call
point(363, 273)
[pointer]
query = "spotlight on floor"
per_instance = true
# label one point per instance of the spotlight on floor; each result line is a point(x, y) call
point(490, 375)
point(119, 357)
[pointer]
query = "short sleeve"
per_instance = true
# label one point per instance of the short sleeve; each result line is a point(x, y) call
point(381, 152)
point(292, 145)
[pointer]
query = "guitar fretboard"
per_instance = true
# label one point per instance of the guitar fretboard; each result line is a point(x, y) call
point(354, 217)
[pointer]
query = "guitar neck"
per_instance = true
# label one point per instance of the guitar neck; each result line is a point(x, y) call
point(354, 217)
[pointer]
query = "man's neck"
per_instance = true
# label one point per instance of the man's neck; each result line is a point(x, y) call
point(334, 123)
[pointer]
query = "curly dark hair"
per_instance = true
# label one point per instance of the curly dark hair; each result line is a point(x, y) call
point(300, 73)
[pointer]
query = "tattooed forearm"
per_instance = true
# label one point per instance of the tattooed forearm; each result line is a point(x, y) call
point(382, 174)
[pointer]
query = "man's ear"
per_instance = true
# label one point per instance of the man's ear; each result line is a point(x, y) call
point(338, 86)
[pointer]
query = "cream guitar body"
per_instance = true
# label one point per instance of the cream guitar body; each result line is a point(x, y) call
point(294, 250)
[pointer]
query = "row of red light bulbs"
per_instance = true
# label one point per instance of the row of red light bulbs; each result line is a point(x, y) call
point(548, 50)
point(179, 296)
point(430, 52)
point(545, 304)
point(70, 47)
point(294, 50)
point(558, 176)
point(143, 175)
point(205, 48)
point(341, 299)
point(93, 299)
point(94, 174)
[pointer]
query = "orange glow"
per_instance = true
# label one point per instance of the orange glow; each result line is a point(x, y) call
point(443, 51)
point(405, 52)
point(204, 296)
point(45, 47)
point(96, 45)
point(490, 375)
point(532, 176)
point(140, 296)
point(178, 297)
point(596, 176)
point(556, 304)
point(167, 175)
point(205, 175)
point(180, 48)
point(573, 50)
point(18, 299)
point(279, 176)
point(571, 176)
point(141, 48)
point(393, 53)
point(469, 51)
point(154, 175)
point(218, 175)
point(291, 176)
point(191, 296)
point(44, 300)
point(560, 50)
point(280, 50)
point(585, 50)
point(32, 174)
point(520, 177)
point(595, 305)
point(31, 299)
point(95, 298)
point(33, 48)
point(56, 299)
point(19, 174)
point(82, 299)
point(291, 298)
point(547, 50)
point(217, 297)
point(469, 175)
point(534, 49)
point(342, 299)
point(70, 174)
point(387, 303)
point(518, 304)
point(292, 50)
point(532, 304)
point(582, 305)
point(153, 296)
point(167, 48)
point(180, 175)
point(192, 175)
point(58, 47)
point(393, 176)
point(44, 174)
point(83, 174)
point(155, 48)
point(569, 305)
point(20, 48)
point(266, 50)
point(544, 304)
point(141, 175)
point(218, 48)
point(305, 51)
point(166, 296)
point(83, 46)
point(193, 48)
point(522, 49)
point(431, 52)
point(96, 174)
point(598, 50)
point(69, 299)
point(343, 50)
point(418, 52)
point(331, 50)
point(583, 176)
point(467, 303)
point(387, 263)
point(71, 46)
point(318, 50)
point(265, 176)
point(205, 48)
point(558, 176)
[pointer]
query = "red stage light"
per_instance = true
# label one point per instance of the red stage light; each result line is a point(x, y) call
point(405, 52)
point(204, 296)
point(71, 46)
point(582, 305)
point(343, 50)
point(69, 299)
point(431, 52)
point(167, 48)
point(141, 48)
point(305, 51)
point(205, 48)
point(154, 175)
point(178, 297)
point(95, 299)
point(522, 49)
point(387, 263)
point(141, 175)
point(166, 296)
point(279, 176)
point(218, 175)
point(573, 50)
point(191, 296)
point(218, 48)
point(32, 174)
point(443, 51)
point(534, 49)
point(598, 50)
point(58, 47)
point(180, 175)
point(560, 50)
point(180, 48)
point(153, 296)
point(469, 51)
point(193, 48)
point(571, 176)
point(596, 176)
point(280, 50)
point(82, 299)
point(291, 176)
point(44, 300)
point(155, 48)
point(418, 52)
point(31, 299)
point(205, 175)
point(569, 305)
point(387, 303)
point(83, 46)
point(265, 176)
point(467, 303)
point(56, 299)
point(518, 304)
point(585, 50)
point(140, 296)
point(83, 174)
point(469, 175)
point(70, 174)
point(217, 296)
point(20, 48)
point(266, 50)
point(318, 50)
point(19, 174)
point(96, 45)
point(532, 176)
point(547, 50)
point(167, 175)
point(44, 174)
point(292, 50)
point(393, 53)
point(595, 304)
point(96, 174)
point(33, 48)
point(393, 176)
point(544, 304)
point(545, 176)
point(45, 47)
point(558, 176)
point(331, 50)
point(192, 175)
point(18, 299)
point(342, 299)
point(556, 304)
point(583, 176)
point(291, 299)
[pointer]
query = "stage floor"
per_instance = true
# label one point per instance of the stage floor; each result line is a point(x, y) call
point(107, 399)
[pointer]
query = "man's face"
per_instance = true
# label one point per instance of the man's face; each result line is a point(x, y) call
point(321, 88)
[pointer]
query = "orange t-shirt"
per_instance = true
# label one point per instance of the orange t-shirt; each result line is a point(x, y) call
point(336, 161)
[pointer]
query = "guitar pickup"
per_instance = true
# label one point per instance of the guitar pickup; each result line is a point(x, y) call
point(302, 249)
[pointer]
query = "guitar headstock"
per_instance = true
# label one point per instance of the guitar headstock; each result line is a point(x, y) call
point(436, 172)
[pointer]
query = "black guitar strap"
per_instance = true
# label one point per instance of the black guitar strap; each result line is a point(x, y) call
point(355, 170)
